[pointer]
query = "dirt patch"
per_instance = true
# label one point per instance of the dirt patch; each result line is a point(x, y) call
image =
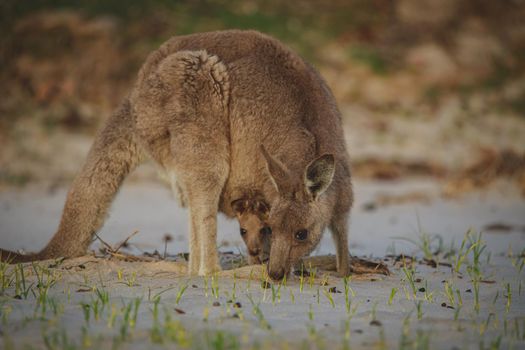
point(388, 169)
point(491, 166)
point(502, 227)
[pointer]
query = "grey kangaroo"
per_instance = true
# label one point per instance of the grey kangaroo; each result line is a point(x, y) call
point(224, 113)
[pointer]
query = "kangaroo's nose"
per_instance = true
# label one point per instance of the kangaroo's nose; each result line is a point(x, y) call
point(276, 275)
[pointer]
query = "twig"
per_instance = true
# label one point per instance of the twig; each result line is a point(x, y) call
point(126, 240)
point(113, 250)
point(108, 247)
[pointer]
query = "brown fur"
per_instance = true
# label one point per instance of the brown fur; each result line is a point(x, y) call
point(202, 106)
point(252, 213)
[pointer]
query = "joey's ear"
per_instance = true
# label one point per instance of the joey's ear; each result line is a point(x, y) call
point(262, 208)
point(239, 206)
point(319, 174)
point(278, 173)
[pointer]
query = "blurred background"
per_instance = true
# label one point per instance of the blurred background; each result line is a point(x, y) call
point(426, 87)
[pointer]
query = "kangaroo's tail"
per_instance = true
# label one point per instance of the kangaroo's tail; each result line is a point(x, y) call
point(112, 157)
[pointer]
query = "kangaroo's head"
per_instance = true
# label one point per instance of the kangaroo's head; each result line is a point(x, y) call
point(252, 215)
point(297, 216)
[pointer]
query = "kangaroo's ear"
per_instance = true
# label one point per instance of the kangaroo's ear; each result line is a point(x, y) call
point(278, 173)
point(262, 209)
point(319, 174)
point(239, 206)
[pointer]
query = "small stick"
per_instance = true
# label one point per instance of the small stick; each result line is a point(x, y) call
point(126, 240)
point(113, 250)
point(108, 247)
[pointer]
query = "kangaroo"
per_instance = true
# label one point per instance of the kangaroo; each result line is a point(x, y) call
point(305, 206)
point(224, 113)
point(252, 214)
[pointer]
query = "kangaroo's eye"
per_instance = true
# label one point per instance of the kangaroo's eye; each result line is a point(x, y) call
point(301, 235)
point(243, 231)
point(266, 231)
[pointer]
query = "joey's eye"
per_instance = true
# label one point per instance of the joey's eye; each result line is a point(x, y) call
point(301, 235)
point(266, 231)
point(243, 231)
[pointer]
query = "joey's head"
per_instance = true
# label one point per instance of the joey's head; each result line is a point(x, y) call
point(252, 215)
point(298, 216)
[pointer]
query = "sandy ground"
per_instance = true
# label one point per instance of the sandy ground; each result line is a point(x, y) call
point(155, 305)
